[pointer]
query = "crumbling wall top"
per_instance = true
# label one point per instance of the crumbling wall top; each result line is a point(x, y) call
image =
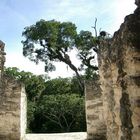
point(1, 46)
point(2, 55)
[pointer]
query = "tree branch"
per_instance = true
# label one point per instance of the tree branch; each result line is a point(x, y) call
point(57, 121)
point(95, 28)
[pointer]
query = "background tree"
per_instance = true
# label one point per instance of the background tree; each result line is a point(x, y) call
point(61, 113)
point(50, 41)
point(87, 46)
point(60, 86)
point(57, 86)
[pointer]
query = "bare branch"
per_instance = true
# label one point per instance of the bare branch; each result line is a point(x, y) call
point(95, 27)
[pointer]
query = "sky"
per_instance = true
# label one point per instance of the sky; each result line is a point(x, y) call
point(15, 15)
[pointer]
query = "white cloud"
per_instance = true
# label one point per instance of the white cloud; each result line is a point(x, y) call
point(14, 59)
point(120, 9)
point(17, 60)
point(68, 9)
point(110, 13)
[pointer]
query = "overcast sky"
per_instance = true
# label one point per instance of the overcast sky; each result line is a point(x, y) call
point(17, 14)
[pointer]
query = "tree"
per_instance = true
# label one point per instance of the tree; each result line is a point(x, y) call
point(87, 45)
point(64, 112)
point(60, 86)
point(50, 41)
point(75, 88)
point(57, 86)
point(31, 110)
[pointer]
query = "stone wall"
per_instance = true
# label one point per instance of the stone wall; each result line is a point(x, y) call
point(2, 60)
point(12, 105)
point(96, 129)
point(119, 70)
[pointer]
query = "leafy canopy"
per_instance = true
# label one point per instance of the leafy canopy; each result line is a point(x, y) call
point(64, 112)
point(49, 41)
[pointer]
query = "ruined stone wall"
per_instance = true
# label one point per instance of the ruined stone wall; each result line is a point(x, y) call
point(12, 105)
point(2, 60)
point(96, 128)
point(119, 70)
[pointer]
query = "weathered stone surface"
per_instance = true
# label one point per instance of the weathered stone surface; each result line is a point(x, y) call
point(12, 105)
point(58, 136)
point(119, 70)
point(2, 60)
point(96, 129)
point(137, 2)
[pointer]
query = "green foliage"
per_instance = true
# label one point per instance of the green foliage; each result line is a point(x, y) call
point(48, 41)
point(34, 87)
point(85, 40)
point(31, 109)
point(90, 74)
point(13, 72)
point(61, 113)
point(75, 88)
point(58, 86)
point(87, 46)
